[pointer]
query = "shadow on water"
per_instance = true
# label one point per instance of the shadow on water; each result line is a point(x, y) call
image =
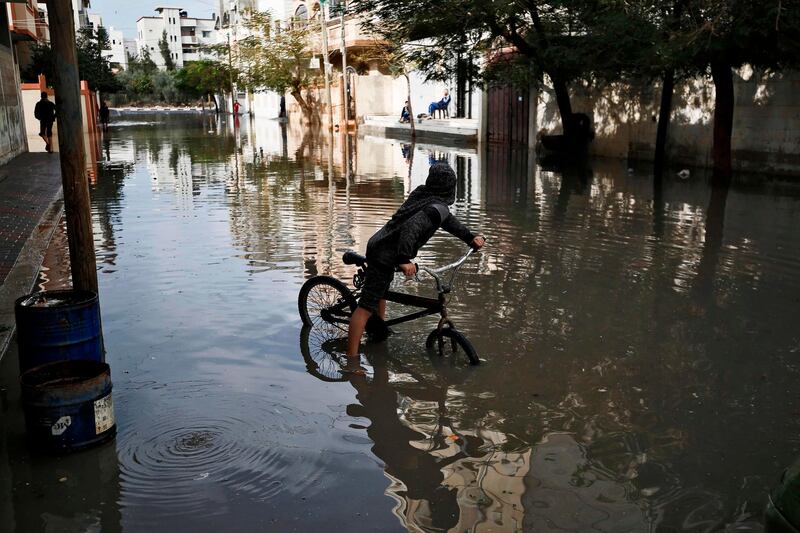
point(639, 337)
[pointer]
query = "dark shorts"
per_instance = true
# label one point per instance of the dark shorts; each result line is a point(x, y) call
point(45, 128)
point(377, 282)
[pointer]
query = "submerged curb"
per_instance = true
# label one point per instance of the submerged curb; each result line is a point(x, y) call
point(21, 279)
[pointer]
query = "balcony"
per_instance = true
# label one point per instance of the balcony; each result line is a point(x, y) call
point(23, 21)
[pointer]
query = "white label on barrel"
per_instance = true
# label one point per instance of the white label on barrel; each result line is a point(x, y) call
point(61, 425)
point(103, 414)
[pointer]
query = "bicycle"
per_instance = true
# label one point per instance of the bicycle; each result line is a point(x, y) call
point(327, 304)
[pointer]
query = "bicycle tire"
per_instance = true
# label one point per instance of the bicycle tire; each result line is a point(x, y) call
point(320, 362)
point(336, 293)
point(457, 339)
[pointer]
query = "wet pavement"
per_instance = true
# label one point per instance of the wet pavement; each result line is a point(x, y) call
point(28, 185)
point(640, 345)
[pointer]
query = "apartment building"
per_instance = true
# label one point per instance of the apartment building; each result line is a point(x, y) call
point(186, 36)
point(116, 54)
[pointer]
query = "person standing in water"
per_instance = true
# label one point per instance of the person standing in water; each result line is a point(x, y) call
point(397, 243)
point(104, 115)
point(45, 113)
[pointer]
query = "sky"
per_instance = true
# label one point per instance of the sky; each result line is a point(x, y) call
point(122, 14)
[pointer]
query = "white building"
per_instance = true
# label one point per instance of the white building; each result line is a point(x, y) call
point(116, 55)
point(80, 10)
point(185, 35)
point(230, 23)
point(94, 21)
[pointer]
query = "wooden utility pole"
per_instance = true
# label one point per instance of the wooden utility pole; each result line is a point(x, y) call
point(77, 205)
point(325, 61)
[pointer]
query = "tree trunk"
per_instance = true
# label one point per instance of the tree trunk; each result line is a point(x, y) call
point(564, 106)
point(723, 122)
point(410, 109)
point(664, 114)
point(298, 96)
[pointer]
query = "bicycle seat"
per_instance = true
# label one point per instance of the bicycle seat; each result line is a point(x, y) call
point(352, 258)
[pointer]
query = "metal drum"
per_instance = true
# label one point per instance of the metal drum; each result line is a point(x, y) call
point(58, 326)
point(68, 405)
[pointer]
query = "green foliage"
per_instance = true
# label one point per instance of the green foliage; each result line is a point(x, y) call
point(93, 67)
point(143, 63)
point(163, 47)
point(276, 59)
point(204, 77)
point(41, 63)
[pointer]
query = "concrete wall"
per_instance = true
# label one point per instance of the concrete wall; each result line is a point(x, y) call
point(766, 130)
point(12, 127)
point(378, 94)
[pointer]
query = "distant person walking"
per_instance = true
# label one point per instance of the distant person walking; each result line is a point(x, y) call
point(45, 113)
point(104, 115)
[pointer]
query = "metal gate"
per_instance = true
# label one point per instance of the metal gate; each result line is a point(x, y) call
point(509, 110)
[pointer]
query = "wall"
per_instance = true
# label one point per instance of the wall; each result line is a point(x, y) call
point(12, 128)
point(766, 130)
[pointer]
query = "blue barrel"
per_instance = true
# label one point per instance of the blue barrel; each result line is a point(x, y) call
point(58, 326)
point(68, 405)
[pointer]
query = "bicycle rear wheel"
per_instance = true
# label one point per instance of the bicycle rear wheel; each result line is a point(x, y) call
point(452, 343)
point(327, 304)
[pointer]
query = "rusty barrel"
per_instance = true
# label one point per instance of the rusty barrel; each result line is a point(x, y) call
point(68, 405)
point(58, 326)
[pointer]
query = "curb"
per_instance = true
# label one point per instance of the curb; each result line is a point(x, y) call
point(22, 278)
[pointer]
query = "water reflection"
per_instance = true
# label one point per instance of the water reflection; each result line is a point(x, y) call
point(639, 334)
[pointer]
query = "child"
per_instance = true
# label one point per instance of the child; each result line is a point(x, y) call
point(397, 243)
point(405, 116)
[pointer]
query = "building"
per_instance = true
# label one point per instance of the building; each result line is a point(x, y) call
point(27, 23)
point(186, 36)
point(94, 21)
point(116, 54)
point(12, 124)
point(80, 10)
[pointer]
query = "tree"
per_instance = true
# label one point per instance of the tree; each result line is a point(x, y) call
point(718, 36)
point(93, 66)
point(399, 63)
point(163, 47)
point(205, 77)
point(277, 59)
point(41, 63)
point(537, 38)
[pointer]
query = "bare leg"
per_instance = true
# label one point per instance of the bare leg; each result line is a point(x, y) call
point(382, 309)
point(50, 143)
point(357, 324)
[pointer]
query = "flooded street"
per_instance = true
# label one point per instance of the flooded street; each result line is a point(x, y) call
point(640, 342)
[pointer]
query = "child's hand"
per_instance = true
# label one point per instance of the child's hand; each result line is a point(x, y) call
point(478, 242)
point(408, 269)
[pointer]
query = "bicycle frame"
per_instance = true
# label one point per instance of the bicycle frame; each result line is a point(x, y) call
point(430, 306)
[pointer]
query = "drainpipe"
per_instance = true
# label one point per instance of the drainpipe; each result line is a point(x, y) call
point(344, 75)
point(322, 4)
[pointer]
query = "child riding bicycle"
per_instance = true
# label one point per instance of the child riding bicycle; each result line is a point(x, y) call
point(397, 243)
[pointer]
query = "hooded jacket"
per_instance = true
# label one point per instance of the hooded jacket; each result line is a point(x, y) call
point(424, 211)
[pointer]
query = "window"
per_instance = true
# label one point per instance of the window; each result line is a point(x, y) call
point(301, 15)
point(206, 34)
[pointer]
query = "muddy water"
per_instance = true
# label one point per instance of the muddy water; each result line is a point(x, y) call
point(640, 344)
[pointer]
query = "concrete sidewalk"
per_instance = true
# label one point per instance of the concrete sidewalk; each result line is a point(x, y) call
point(30, 208)
point(448, 132)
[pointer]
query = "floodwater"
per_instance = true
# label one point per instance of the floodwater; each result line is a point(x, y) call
point(640, 344)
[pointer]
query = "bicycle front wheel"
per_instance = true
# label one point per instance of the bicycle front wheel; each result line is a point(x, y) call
point(452, 343)
point(325, 302)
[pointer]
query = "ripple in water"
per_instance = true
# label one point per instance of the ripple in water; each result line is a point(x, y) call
point(187, 462)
